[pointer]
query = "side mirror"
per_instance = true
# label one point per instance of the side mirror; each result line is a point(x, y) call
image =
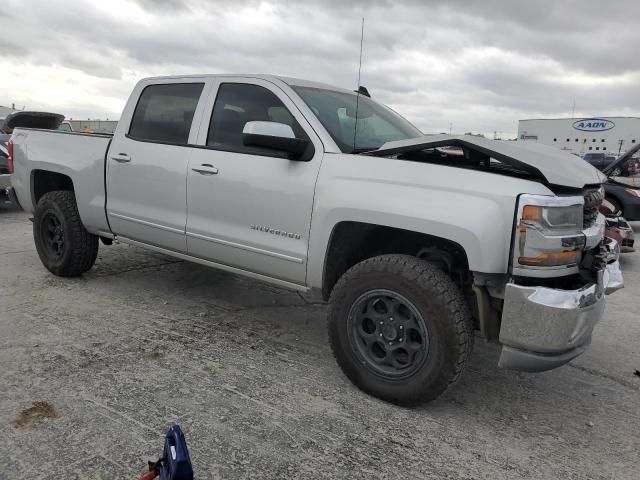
point(274, 136)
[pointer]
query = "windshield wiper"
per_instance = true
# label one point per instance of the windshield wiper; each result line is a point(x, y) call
point(356, 151)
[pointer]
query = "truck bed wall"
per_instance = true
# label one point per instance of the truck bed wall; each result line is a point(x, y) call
point(79, 156)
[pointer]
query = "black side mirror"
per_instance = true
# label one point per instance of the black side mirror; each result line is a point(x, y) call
point(274, 136)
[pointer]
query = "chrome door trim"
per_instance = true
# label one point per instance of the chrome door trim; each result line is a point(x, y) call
point(148, 224)
point(220, 266)
point(248, 248)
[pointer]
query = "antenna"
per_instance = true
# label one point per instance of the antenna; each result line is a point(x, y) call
point(573, 109)
point(355, 127)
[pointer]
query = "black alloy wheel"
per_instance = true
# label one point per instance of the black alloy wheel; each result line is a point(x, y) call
point(52, 235)
point(388, 334)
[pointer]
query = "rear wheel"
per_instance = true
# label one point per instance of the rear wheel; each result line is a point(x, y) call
point(64, 246)
point(399, 328)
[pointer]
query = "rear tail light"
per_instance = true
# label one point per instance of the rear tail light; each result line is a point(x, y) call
point(10, 157)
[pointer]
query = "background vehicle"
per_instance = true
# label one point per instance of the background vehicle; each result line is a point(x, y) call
point(14, 120)
point(602, 161)
point(318, 189)
point(622, 199)
point(5, 179)
point(619, 230)
point(65, 126)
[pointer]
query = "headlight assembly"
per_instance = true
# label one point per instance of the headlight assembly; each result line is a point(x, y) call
point(549, 232)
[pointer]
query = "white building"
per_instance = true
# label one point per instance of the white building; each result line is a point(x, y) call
point(583, 135)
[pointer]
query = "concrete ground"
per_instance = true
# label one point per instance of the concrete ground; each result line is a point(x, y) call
point(113, 358)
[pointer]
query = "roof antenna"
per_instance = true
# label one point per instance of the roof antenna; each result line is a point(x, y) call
point(358, 92)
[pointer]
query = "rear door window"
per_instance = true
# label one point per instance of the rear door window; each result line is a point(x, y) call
point(164, 113)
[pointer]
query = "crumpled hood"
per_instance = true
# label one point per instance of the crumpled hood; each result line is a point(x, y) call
point(549, 163)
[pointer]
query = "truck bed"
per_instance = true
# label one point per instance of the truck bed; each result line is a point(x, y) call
point(78, 156)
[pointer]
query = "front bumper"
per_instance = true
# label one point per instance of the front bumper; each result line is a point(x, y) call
point(543, 328)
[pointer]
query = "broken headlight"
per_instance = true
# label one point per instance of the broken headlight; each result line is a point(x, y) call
point(548, 233)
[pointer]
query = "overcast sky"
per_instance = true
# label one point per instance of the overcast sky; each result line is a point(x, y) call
point(479, 66)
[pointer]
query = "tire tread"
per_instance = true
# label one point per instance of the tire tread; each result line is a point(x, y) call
point(84, 244)
point(428, 277)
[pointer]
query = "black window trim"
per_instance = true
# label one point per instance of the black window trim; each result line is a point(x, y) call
point(308, 157)
point(219, 149)
point(177, 144)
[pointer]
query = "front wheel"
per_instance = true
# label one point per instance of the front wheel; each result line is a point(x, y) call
point(64, 246)
point(399, 328)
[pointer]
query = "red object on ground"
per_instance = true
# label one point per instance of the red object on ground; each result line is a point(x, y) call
point(149, 475)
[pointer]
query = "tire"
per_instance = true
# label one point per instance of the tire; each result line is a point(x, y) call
point(64, 246)
point(418, 377)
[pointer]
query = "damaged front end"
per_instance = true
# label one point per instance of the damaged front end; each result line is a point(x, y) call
point(544, 309)
point(562, 269)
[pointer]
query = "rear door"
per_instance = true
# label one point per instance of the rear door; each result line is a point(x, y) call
point(147, 163)
point(251, 208)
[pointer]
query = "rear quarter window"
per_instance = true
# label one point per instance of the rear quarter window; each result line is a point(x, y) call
point(164, 113)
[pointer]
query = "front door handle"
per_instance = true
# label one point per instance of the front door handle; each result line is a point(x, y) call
point(121, 157)
point(206, 169)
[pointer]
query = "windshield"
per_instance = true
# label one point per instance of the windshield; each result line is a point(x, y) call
point(336, 111)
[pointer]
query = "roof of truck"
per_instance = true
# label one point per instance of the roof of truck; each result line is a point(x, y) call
point(288, 80)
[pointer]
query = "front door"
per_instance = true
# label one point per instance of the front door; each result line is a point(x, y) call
point(250, 208)
point(147, 167)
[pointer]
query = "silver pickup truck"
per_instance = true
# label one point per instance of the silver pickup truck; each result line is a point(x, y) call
point(416, 241)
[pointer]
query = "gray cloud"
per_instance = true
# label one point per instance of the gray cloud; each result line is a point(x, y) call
point(478, 65)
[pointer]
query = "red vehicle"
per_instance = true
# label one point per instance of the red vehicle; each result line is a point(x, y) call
point(618, 229)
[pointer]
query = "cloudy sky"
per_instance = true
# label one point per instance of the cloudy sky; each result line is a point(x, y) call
point(478, 66)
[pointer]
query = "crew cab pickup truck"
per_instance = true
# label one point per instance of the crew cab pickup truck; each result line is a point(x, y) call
point(415, 240)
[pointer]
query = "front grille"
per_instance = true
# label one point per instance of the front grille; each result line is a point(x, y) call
point(592, 200)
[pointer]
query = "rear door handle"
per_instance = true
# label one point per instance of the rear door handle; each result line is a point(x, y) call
point(121, 157)
point(206, 169)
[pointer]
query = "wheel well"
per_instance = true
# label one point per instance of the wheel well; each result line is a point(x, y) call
point(44, 181)
point(353, 242)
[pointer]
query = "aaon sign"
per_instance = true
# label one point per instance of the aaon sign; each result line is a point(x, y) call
point(593, 124)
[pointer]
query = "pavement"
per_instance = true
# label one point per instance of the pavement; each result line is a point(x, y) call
point(94, 369)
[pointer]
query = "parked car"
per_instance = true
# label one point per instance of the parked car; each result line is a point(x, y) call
point(602, 161)
point(65, 126)
point(623, 198)
point(5, 177)
point(324, 190)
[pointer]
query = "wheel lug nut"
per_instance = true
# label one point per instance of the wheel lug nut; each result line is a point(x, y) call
point(380, 334)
